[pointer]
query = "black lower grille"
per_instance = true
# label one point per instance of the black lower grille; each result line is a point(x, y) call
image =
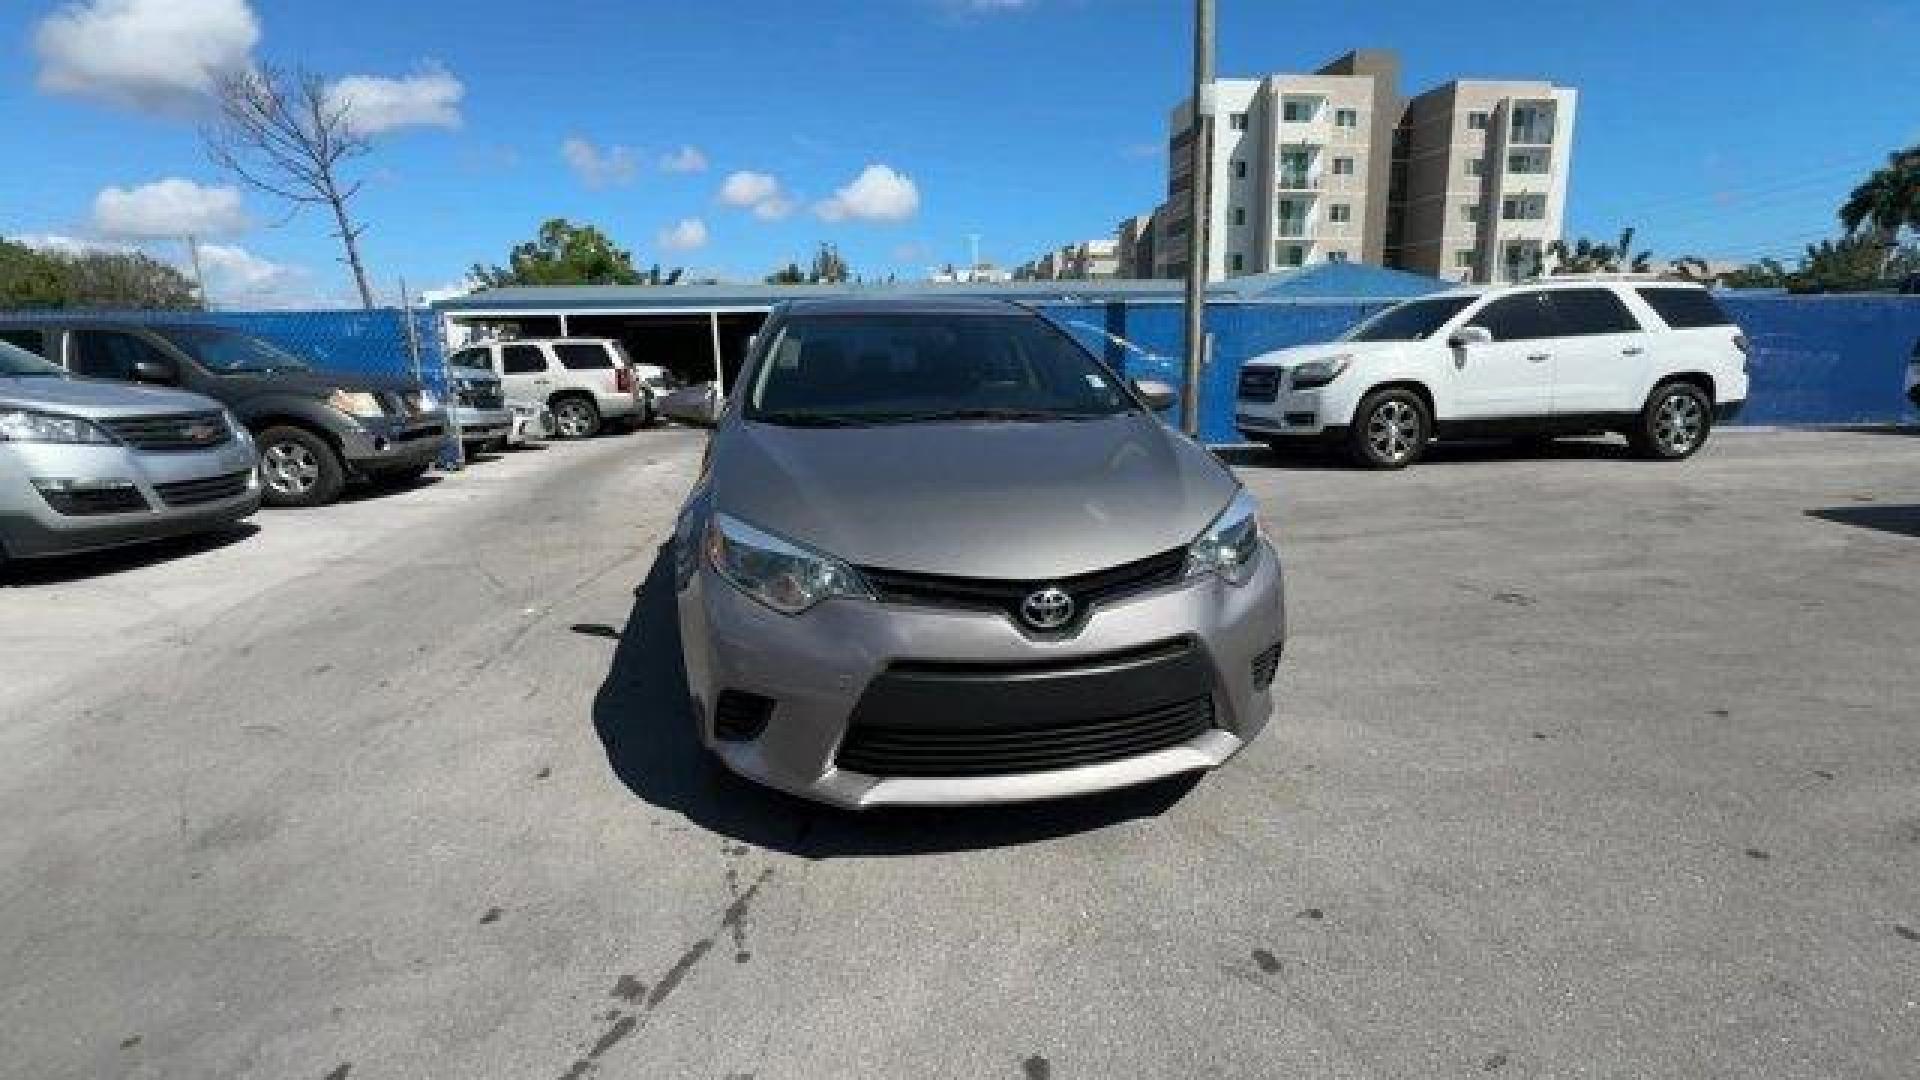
point(164, 434)
point(89, 502)
point(210, 489)
point(1259, 384)
point(1020, 748)
point(1266, 666)
point(739, 716)
point(998, 594)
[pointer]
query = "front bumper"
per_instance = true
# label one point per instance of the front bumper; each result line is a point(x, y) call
point(386, 444)
point(1320, 412)
point(482, 425)
point(845, 658)
point(177, 494)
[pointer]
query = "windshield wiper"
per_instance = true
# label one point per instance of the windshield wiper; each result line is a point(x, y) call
point(805, 419)
point(1008, 415)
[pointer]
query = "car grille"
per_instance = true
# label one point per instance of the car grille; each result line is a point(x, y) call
point(170, 434)
point(1266, 666)
point(1260, 384)
point(91, 502)
point(1005, 596)
point(209, 489)
point(998, 751)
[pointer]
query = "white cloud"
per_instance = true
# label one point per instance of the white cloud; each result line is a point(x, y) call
point(686, 235)
point(687, 159)
point(65, 245)
point(599, 168)
point(877, 194)
point(748, 188)
point(152, 55)
point(237, 278)
point(773, 207)
point(168, 208)
point(376, 103)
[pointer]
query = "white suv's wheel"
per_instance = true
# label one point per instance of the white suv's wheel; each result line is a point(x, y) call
point(1675, 422)
point(576, 417)
point(1390, 429)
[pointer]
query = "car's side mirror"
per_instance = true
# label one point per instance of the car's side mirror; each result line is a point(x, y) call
point(1155, 394)
point(1470, 335)
point(155, 371)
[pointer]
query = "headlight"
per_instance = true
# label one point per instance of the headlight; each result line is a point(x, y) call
point(19, 425)
point(239, 430)
point(1319, 372)
point(780, 574)
point(356, 403)
point(1230, 545)
point(428, 402)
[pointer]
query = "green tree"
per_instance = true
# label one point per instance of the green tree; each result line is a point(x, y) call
point(1853, 263)
point(1887, 201)
point(790, 274)
point(1586, 256)
point(1765, 274)
point(563, 254)
point(91, 279)
point(30, 278)
point(1690, 268)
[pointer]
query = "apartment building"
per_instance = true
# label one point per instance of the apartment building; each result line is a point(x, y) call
point(1088, 260)
point(1466, 181)
point(1480, 179)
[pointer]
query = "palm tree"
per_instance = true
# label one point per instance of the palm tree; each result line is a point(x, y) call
point(1887, 201)
point(1690, 268)
point(1584, 256)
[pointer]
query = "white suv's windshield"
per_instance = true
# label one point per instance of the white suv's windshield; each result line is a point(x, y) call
point(829, 369)
point(228, 351)
point(18, 363)
point(1415, 320)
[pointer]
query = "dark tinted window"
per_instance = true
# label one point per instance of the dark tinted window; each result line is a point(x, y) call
point(18, 363)
point(1517, 317)
point(470, 358)
point(522, 359)
point(931, 366)
point(1685, 309)
point(583, 355)
point(1591, 311)
point(1415, 320)
point(110, 354)
point(32, 341)
point(230, 350)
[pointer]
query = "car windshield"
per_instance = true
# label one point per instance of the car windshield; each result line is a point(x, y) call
point(1415, 320)
point(230, 351)
point(852, 369)
point(475, 359)
point(18, 363)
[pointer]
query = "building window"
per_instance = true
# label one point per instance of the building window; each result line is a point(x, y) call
point(1239, 215)
point(1470, 212)
point(1296, 111)
point(1528, 162)
point(1336, 256)
point(1340, 212)
point(1523, 208)
point(1293, 255)
point(1476, 166)
point(1346, 118)
point(1238, 121)
point(1477, 121)
point(1343, 166)
point(1236, 262)
point(1464, 259)
point(1239, 170)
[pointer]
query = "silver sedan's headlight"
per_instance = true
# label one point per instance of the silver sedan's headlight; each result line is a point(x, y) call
point(778, 573)
point(23, 425)
point(1230, 545)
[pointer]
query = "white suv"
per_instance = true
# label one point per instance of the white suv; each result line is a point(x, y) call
point(588, 383)
point(1657, 361)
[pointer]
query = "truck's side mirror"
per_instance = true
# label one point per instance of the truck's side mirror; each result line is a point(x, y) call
point(155, 371)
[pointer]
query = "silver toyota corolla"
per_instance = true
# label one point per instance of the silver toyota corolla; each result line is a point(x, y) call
point(940, 554)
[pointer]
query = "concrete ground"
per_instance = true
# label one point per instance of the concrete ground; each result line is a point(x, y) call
point(1584, 767)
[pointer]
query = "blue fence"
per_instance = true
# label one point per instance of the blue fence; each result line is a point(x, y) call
point(1815, 360)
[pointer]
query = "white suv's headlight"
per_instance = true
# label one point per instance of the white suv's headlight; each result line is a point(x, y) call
point(1317, 373)
point(779, 573)
point(1230, 545)
point(22, 425)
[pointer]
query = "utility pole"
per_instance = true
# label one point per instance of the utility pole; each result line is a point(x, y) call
point(1200, 152)
point(199, 279)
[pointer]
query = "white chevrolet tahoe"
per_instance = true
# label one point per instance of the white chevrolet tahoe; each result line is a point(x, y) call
point(1657, 361)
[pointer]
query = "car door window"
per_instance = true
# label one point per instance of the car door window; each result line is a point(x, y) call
point(583, 355)
point(33, 341)
point(111, 354)
point(1517, 317)
point(1685, 309)
point(471, 358)
point(522, 360)
point(1581, 312)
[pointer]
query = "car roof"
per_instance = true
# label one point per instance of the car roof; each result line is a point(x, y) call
point(903, 305)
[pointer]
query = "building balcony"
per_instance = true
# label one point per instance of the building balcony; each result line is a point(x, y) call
point(1297, 181)
point(1292, 228)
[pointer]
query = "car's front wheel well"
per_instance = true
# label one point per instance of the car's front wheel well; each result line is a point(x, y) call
point(1694, 378)
point(1413, 386)
point(258, 424)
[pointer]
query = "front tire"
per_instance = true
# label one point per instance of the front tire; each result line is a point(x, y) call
point(576, 417)
point(1390, 429)
point(1675, 423)
point(298, 468)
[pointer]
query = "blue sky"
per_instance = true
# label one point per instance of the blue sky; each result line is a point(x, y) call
point(892, 128)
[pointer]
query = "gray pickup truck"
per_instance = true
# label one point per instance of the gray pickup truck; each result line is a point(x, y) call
point(316, 431)
point(87, 465)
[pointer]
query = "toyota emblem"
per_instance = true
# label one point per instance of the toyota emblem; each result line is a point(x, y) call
point(1047, 609)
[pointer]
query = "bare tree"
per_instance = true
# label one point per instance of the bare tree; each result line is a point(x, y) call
point(279, 132)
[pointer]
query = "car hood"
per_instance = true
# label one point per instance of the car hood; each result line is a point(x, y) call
point(994, 500)
point(83, 397)
point(1303, 354)
point(316, 384)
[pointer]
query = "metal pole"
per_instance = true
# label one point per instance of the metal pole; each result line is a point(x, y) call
point(199, 279)
point(719, 372)
point(1200, 149)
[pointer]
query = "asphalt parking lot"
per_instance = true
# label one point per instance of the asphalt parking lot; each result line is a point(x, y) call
point(1583, 767)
